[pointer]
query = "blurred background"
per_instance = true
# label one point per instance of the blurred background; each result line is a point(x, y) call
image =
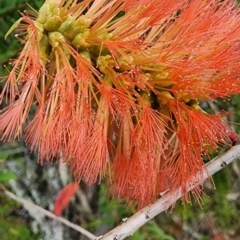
point(91, 207)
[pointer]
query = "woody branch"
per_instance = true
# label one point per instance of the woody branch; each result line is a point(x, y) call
point(130, 225)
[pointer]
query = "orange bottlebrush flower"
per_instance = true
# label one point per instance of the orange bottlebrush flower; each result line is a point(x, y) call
point(115, 87)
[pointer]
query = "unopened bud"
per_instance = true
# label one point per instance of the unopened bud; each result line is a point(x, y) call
point(80, 40)
point(105, 62)
point(55, 38)
point(67, 26)
point(86, 55)
point(53, 23)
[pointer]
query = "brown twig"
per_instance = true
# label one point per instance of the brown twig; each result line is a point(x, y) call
point(130, 225)
point(47, 213)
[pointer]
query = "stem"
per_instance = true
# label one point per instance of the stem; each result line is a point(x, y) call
point(28, 204)
point(129, 226)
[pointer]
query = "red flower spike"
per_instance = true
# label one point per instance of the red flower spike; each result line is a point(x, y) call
point(116, 85)
point(93, 152)
point(138, 178)
point(196, 133)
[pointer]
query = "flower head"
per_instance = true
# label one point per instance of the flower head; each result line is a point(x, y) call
point(116, 85)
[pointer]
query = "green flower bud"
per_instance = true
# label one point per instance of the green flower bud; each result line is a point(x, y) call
point(67, 26)
point(166, 95)
point(162, 75)
point(55, 38)
point(125, 63)
point(44, 49)
point(104, 62)
point(47, 11)
point(80, 39)
point(86, 55)
point(83, 22)
point(43, 14)
point(53, 23)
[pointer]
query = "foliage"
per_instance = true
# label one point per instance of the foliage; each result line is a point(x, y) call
point(9, 12)
point(13, 227)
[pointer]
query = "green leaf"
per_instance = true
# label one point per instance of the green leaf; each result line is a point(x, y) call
point(4, 154)
point(6, 176)
point(156, 232)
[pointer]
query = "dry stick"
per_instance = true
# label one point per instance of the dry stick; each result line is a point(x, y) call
point(130, 225)
point(47, 213)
